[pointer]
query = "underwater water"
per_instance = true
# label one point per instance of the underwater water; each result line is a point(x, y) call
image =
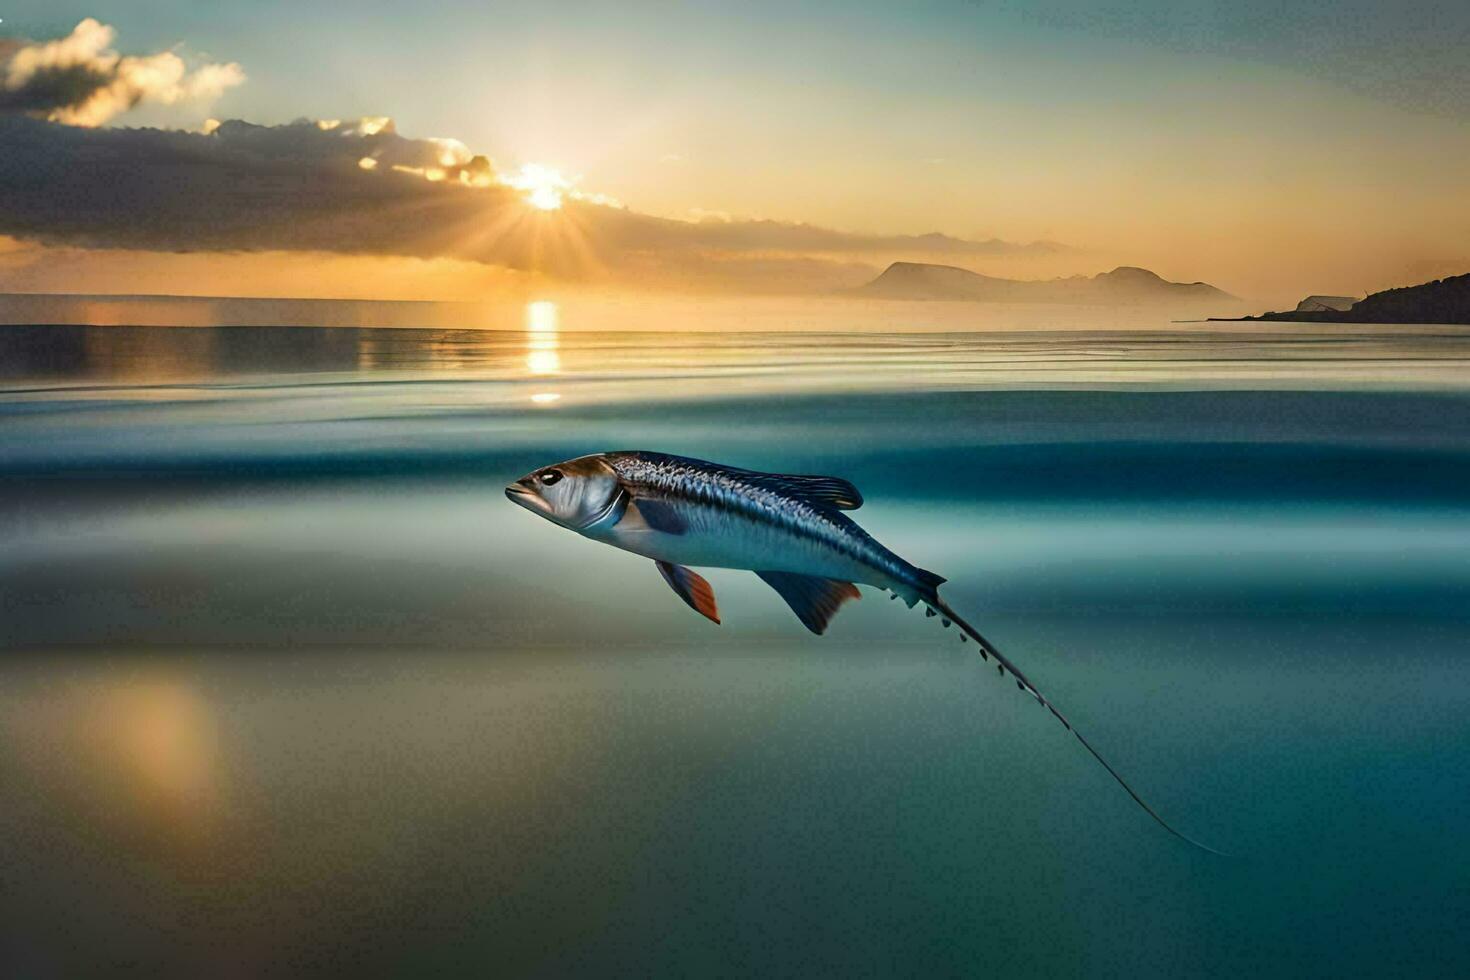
point(287, 685)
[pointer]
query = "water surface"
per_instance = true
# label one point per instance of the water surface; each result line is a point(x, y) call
point(286, 685)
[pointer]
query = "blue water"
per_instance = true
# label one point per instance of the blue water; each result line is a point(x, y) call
point(287, 686)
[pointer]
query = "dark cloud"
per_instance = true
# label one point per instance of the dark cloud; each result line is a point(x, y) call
point(53, 89)
point(361, 188)
point(81, 81)
point(245, 187)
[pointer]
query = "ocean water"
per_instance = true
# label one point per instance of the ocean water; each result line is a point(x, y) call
point(287, 686)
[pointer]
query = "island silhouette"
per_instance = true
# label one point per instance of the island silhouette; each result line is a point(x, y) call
point(1125, 285)
point(1439, 301)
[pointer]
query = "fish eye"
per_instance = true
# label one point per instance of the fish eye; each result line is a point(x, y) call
point(549, 477)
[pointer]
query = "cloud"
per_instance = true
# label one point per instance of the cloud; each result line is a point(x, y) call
point(240, 187)
point(359, 187)
point(79, 80)
point(351, 188)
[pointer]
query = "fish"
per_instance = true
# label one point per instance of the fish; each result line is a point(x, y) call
point(791, 530)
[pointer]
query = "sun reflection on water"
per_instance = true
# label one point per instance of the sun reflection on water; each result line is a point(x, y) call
point(145, 746)
point(542, 323)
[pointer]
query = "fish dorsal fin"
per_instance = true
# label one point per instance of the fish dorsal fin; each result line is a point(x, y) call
point(830, 490)
point(692, 588)
point(814, 600)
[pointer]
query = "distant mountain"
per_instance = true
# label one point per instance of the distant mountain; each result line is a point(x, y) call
point(1440, 301)
point(920, 280)
point(1125, 285)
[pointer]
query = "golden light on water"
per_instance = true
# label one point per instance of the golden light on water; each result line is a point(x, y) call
point(543, 362)
point(144, 745)
point(164, 734)
point(542, 340)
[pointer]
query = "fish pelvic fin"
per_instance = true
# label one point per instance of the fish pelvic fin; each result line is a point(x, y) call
point(1003, 664)
point(690, 586)
point(815, 600)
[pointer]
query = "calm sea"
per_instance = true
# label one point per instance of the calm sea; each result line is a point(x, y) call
point(287, 686)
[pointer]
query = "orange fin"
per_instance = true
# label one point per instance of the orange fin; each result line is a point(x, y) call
point(814, 600)
point(692, 588)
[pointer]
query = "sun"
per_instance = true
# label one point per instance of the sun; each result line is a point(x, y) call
point(544, 188)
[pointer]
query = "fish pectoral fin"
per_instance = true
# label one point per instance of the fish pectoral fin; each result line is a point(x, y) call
point(815, 600)
point(690, 586)
point(659, 515)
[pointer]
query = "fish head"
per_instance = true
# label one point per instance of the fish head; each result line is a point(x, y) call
point(578, 494)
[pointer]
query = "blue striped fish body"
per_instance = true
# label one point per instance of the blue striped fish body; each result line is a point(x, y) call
point(690, 512)
point(789, 529)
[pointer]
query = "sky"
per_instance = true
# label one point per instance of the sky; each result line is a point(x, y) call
point(1272, 149)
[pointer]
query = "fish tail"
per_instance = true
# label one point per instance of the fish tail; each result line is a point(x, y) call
point(1003, 664)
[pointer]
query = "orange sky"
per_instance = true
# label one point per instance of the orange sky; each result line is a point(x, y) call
point(1272, 166)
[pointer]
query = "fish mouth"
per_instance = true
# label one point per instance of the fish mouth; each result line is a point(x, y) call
point(521, 494)
point(524, 496)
